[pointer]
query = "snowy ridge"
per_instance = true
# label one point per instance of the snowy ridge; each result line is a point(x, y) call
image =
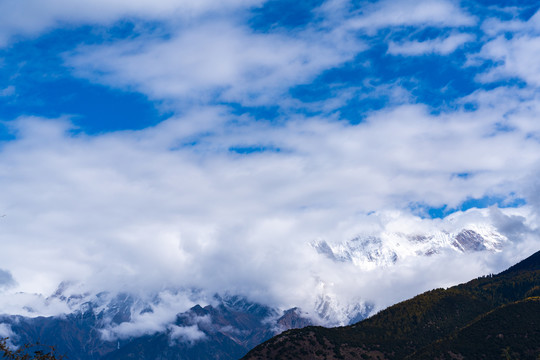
point(384, 249)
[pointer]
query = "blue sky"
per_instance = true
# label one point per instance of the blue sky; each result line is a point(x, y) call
point(165, 139)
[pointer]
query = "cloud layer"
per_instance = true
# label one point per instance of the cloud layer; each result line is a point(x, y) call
point(129, 210)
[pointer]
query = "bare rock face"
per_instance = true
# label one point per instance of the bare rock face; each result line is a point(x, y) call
point(469, 240)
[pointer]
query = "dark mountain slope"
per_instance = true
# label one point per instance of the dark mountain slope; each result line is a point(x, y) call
point(509, 332)
point(410, 326)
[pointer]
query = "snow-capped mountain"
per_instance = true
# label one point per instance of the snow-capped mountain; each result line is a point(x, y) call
point(387, 248)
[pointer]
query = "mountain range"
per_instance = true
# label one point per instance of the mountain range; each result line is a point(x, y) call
point(226, 329)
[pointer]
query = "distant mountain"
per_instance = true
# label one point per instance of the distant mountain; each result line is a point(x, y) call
point(225, 330)
point(491, 317)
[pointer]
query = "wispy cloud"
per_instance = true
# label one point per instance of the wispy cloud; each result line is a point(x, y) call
point(7, 91)
point(442, 46)
point(391, 13)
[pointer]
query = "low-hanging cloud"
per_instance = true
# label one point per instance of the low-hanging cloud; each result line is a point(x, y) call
point(188, 334)
point(154, 313)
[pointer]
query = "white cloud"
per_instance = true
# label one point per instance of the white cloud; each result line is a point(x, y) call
point(443, 46)
point(188, 334)
point(512, 56)
point(33, 17)
point(493, 27)
point(5, 331)
point(216, 59)
point(7, 91)
point(392, 13)
point(159, 319)
point(223, 60)
point(28, 304)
